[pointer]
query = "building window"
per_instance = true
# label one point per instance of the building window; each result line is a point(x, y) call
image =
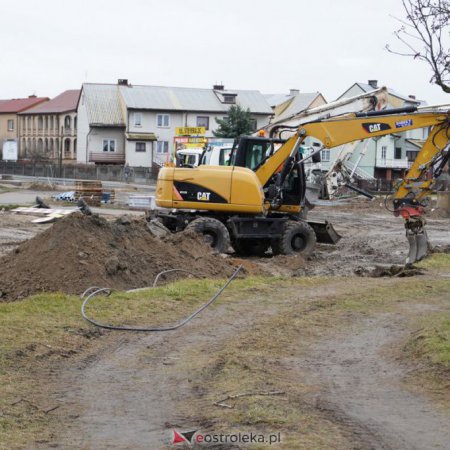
point(162, 147)
point(140, 146)
point(109, 145)
point(253, 124)
point(325, 155)
point(67, 122)
point(411, 155)
point(10, 125)
point(203, 121)
point(163, 120)
point(137, 119)
point(227, 98)
point(398, 153)
point(383, 152)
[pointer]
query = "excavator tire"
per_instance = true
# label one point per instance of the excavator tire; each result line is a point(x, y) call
point(297, 237)
point(214, 232)
point(251, 247)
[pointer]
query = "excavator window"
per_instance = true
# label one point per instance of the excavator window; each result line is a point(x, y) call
point(251, 152)
point(256, 153)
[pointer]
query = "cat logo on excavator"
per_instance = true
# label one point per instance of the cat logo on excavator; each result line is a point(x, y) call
point(203, 196)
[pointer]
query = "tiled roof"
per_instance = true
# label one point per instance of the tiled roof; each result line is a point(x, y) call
point(65, 102)
point(17, 105)
point(103, 105)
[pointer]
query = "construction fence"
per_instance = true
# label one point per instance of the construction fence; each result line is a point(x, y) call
point(110, 172)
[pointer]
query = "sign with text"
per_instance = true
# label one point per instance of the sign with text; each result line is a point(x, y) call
point(190, 131)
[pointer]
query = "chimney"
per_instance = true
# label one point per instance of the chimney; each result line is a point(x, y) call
point(412, 97)
point(218, 87)
point(294, 92)
point(374, 83)
point(122, 82)
point(32, 96)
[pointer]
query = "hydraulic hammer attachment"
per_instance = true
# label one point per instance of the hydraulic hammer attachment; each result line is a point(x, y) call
point(417, 238)
point(418, 245)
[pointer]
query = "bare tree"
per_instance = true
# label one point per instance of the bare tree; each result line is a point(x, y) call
point(425, 35)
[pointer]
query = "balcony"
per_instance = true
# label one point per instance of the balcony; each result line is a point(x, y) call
point(391, 163)
point(107, 157)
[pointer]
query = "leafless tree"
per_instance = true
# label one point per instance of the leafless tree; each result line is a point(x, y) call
point(425, 35)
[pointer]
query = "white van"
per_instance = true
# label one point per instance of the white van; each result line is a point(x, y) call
point(217, 155)
point(189, 157)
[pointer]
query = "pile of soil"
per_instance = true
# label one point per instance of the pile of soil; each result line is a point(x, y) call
point(82, 251)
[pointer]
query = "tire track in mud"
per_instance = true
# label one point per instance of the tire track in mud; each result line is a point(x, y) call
point(126, 397)
point(361, 390)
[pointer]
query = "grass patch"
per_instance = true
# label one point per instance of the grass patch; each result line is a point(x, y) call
point(285, 316)
point(431, 343)
point(9, 207)
point(262, 358)
point(436, 261)
point(41, 331)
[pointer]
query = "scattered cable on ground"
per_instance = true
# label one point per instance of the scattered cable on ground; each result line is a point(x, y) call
point(92, 291)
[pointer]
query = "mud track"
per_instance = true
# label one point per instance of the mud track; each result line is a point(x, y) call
point(126, 397)
point(361, 389)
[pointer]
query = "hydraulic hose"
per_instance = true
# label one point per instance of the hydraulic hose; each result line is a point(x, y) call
point(95, 290)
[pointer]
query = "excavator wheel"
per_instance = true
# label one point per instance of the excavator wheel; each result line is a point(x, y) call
point(297, 237)
point(214, 232)
point(251, 247)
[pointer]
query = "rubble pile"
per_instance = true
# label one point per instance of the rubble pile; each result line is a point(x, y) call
point(82, 251)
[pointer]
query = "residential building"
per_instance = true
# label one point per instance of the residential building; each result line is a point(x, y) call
point(49, 130)
point(101, 125)
point(386, 157)
point(287, 105)
point(9, 125)
point(146, 118)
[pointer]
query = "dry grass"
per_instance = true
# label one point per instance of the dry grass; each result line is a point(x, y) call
point(41, 333)
point(262, 358)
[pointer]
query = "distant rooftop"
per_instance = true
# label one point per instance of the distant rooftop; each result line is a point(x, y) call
point(191, 99)
point(17, 105)
point(104, 101)
point(370, 87)
point(65, 102)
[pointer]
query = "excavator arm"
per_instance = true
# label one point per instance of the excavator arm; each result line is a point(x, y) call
point(412, 191)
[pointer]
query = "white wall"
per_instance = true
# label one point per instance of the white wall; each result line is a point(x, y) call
point(82, 131)
point(97, 134)
point(139, 159)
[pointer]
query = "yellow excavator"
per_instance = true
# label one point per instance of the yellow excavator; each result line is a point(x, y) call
point(258, 201)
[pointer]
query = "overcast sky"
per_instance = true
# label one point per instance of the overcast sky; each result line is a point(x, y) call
point(269, 45)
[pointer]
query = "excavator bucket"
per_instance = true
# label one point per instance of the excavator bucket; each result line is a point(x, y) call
point(325, 232)
point(418, 246)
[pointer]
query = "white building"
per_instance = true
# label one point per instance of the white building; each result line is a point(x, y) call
point(136, 125)
point(101, 125)
point(387, 157)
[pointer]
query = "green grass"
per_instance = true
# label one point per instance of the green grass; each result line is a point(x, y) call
point(436, 261)
point(9, 207)
point(432, 342)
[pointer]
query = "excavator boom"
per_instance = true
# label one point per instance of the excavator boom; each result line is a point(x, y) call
point(412, 191)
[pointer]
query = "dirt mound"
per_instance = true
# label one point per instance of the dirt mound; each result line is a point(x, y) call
point(80, 251)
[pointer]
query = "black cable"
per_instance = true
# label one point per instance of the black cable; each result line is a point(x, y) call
point(96, 290)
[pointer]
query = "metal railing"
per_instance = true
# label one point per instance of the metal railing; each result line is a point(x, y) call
point(391, 163)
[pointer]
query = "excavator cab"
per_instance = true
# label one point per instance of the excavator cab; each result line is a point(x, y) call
point(252, 152)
